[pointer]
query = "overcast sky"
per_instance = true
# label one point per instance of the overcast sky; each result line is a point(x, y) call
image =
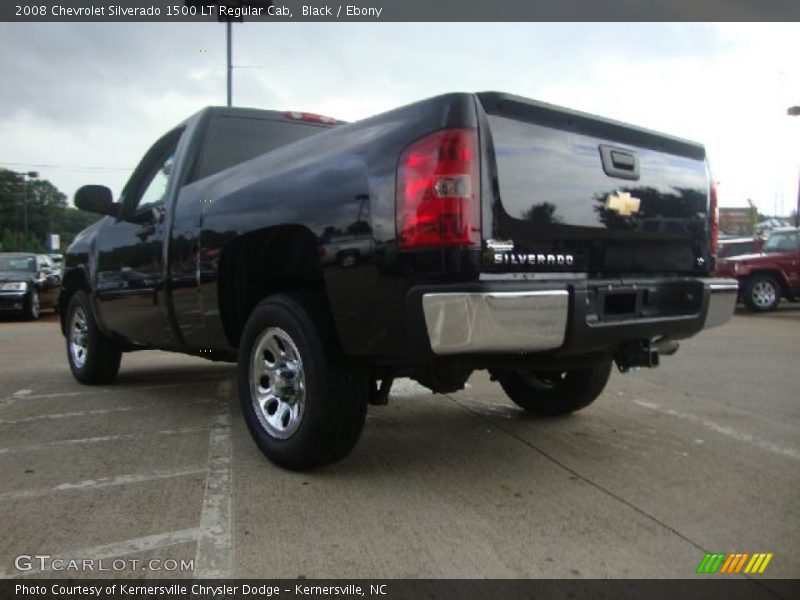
point(88, 99)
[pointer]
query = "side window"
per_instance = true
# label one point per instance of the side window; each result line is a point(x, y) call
point(147, 187)
point(155, 192)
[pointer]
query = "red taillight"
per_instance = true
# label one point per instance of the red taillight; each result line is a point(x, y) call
point(713, 209)
point(437, 202)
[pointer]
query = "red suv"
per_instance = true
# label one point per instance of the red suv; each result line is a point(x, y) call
point(773, 273)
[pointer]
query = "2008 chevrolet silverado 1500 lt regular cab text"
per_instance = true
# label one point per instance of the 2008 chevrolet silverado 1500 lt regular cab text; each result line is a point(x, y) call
point(539, 243)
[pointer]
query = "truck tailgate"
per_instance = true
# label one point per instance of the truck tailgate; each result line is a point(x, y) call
point(577, 193)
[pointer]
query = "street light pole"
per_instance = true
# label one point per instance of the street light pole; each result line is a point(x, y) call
point(230, 64)
point(794, 111)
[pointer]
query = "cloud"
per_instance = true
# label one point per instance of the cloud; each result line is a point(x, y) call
point(77, 95)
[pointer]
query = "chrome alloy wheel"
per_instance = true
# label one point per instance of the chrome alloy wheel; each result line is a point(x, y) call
point(764, 294)
point(78, 337)
point(35, 304)
point(277, 383)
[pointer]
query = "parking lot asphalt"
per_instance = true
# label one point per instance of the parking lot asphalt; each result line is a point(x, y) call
point(700, 455)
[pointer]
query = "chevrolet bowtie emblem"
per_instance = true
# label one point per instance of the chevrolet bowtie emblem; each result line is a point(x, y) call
point(623, 203)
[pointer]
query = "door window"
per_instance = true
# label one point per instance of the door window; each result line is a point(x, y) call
point(155, 192)
point(148, 185)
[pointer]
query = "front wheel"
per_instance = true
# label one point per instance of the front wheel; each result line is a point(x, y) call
point(32, 305)
point(303, 401)
point(554, 392)
point(93, 357)
point(762, 293)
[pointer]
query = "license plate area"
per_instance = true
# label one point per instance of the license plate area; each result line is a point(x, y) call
point(621, 303)
point(613, 302)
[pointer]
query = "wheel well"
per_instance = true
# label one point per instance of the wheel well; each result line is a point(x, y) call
point(264, 262)
point(74, 279)
point(776, 275)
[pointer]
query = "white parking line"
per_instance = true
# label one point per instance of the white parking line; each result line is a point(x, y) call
point(16, 395)
point(90, 413)
point(117, 390)
point(92, 484)
point(100, 439)
point(724, 430)
point(116, 549)
point(214, 556)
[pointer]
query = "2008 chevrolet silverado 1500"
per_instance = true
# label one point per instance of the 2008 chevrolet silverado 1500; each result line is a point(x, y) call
point(539, 243)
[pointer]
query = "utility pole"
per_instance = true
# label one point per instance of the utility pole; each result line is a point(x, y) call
point(230, 63)
point(794, 111)
point(230, 8)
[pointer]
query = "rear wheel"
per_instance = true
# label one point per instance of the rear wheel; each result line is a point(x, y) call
point(303, 401)
point(93, 357)
point(762, 293)
point(554, 392)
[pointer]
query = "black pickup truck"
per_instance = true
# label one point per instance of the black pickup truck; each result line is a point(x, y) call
point(536, 242)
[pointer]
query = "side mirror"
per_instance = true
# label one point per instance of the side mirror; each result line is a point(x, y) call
point(96, 199)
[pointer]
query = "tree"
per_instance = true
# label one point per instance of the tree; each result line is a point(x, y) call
point(48, 212)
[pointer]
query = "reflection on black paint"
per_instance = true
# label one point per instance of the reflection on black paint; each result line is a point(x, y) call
point(352, 244)
point(543, 213)
point(680, 212)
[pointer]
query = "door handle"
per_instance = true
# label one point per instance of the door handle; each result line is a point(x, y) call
point(619, 162)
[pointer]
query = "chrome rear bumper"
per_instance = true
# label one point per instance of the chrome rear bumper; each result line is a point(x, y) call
point(721, 302)
point(537, 320)
point(496, 321)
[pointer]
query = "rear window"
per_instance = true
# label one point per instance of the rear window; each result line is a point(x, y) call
point(233, 140)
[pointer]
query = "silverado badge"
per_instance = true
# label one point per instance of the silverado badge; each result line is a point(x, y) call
point(623, 203)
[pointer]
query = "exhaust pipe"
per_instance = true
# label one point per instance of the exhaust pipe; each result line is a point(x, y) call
point(666, 346)
point(639, 353)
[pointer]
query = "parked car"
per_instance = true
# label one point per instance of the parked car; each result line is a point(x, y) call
point(536, 242)
point(346, 250)
point(739, 246)
point(765, 277)
point(28, 283)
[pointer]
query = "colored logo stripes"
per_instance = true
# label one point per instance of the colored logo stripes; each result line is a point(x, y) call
point(735, 562)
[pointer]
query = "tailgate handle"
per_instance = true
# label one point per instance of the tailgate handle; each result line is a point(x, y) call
point(619, 162)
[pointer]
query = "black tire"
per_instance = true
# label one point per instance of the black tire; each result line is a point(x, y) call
point(762, 293)
point(325, 411)
point(101, 356)
point(554, 393)
point(32, 306)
